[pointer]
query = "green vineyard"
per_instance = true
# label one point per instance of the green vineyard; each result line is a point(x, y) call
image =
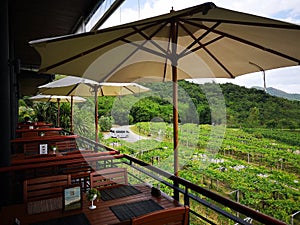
point(256, 167)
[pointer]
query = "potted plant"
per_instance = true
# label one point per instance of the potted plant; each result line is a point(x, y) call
point(54, 148)
point(92, 195)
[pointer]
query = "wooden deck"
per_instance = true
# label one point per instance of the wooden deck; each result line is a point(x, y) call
point(99, 216)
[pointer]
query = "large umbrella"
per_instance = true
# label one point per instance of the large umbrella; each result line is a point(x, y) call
point(211, 41)
point(58, 99)
point(72, 86)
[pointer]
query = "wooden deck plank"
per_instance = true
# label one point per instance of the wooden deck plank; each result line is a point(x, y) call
point(100, 216)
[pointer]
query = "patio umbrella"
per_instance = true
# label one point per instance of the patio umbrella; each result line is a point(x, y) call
point(71, 86)
point(204, 41)
point(58, 99)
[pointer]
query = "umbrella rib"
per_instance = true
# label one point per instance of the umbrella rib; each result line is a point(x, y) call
point(220, 64)
point(138, 47)
point(272, 25)
point(197, 39)
point(129, 89)
point(246, 42)
point(89, 51)
point(259, 46)
point(101, 90)
point(202, 45)
point(72, 89)
point(151, 36)
point(166, 60)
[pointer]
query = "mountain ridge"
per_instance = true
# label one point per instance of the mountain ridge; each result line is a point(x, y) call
point(279, 93)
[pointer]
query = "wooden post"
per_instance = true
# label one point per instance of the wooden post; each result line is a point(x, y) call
point(96, 113)
point(174, 61)
point(58, 112)
point(71, 116)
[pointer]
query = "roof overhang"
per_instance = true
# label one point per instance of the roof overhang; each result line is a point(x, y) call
point(34, 19)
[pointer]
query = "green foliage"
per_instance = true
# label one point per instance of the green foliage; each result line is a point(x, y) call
point(84, 119)
point(198, 103)
point(90, 194)
point(263, 164)
point(105, 123)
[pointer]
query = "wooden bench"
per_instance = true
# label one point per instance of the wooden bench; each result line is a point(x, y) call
point(178, 215)
point(107, 178)
point(44, 194)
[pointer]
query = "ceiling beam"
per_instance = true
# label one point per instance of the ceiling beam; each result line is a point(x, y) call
point(107, 14)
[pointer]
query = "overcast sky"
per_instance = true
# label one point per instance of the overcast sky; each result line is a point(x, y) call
point(285, 79)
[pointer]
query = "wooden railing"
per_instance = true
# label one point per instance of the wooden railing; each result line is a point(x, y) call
point(182, 190)
point(191, 192)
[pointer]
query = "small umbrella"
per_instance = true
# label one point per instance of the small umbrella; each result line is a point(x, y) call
point(203, 41)
point(58, 99)
point(71, 86)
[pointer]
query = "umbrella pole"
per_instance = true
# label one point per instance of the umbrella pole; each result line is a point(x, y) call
point(174, 59)
point(174, 35)
point(58, 112)
point(96, 114)
point(71, 116)
point(175, 119)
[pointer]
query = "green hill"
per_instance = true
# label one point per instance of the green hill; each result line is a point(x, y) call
point(280, 94)
point(244, 107)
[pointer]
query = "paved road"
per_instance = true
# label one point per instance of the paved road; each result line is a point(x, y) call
point(132, 136)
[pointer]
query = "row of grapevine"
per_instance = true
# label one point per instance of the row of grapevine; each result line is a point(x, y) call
point(263, 170)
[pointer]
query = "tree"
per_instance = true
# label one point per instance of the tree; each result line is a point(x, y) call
point(253, 118)
point(105, 123)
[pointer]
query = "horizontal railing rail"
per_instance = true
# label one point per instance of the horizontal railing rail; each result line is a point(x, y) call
point(188, 186)
point(188, 190)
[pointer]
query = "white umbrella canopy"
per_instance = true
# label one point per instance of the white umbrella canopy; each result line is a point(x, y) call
point(55, 98)
point(204, 41)
point(226, 41)
point(72, 86)
point(58, 99)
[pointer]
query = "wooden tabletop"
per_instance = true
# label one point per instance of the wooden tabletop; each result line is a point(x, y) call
point(43, 138)
point(42, 129)
point(100, 216)
point(22, 125)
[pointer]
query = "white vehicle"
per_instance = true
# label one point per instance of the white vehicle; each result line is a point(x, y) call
point(119, 133)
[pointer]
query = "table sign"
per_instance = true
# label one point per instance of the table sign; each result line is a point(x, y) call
point(43, 149)
point(72, 198)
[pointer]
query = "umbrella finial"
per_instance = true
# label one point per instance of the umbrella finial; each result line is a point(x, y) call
point(172, 10)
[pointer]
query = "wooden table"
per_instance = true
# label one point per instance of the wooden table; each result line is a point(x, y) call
point(38, 131)
point(31, 145)
point(100, 216)
point(34, 125)
point(44, 138)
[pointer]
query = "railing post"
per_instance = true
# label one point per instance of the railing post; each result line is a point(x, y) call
point(176, 192)
point(186, 197)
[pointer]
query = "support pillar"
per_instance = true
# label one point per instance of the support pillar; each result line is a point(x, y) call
point(5, 101)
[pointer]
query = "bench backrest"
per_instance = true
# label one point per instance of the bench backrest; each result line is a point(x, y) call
point(67, 145)
point(45, 194)
point(178, 215)
point(45, 187)
point(109, 177)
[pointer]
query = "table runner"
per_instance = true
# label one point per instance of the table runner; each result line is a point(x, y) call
point(118, 192)
point(135, 209)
